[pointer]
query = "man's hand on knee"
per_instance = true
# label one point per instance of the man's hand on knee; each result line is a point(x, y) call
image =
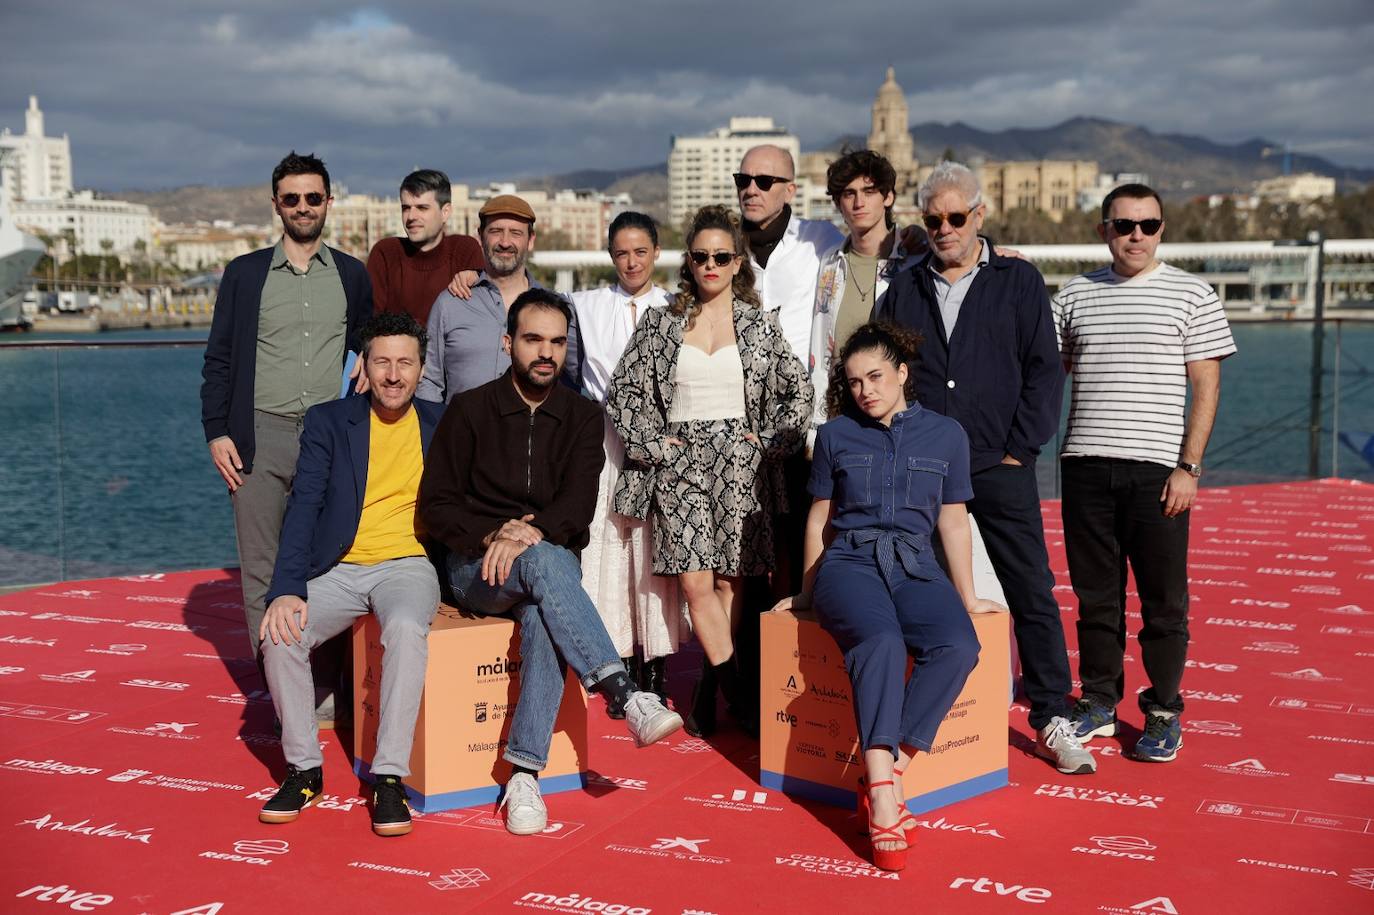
point(280, 622)
point(500, 556)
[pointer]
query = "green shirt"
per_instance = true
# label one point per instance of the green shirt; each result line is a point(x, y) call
point(857, 304)
point(302, 323)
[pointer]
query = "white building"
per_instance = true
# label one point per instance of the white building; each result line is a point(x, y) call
point(699, 168)
point(40, 166)
point(1300, 188)
point(1090, 198)
point(91, 221)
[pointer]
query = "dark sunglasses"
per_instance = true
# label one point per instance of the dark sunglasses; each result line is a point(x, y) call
point(765, 182)
point(314, 198)
point(1127, 226)
point(955, 220)
point(720, 257)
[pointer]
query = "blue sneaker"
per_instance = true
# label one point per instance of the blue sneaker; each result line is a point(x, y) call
point(1162, 738)
point(1091, 720)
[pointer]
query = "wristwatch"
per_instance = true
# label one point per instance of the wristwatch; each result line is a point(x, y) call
point(1194, 469)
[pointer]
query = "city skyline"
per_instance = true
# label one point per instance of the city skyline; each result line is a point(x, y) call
point(156, 95)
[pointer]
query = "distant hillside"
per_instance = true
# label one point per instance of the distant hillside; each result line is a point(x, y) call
point(1178, 164)
point(250, 205)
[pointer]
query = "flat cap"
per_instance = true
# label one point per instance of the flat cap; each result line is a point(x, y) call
point(506, 205)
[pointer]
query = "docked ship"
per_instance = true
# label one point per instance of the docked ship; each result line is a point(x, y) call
point(19, 252)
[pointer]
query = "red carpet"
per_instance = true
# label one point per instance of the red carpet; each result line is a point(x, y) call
point(132, 769)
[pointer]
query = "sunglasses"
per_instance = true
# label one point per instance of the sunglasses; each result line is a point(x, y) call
point(1127, 226)
point(765, 182)
point(721, 258)
point(955, 220)
point(314, 199)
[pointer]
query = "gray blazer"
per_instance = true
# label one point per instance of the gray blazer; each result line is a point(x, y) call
point(777, 400)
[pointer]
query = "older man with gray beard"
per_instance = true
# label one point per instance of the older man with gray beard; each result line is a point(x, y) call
point(465, 334)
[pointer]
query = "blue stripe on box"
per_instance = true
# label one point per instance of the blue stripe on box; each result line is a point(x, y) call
point(843, 797)
point(473, 797)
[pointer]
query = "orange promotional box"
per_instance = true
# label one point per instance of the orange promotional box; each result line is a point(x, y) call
point(809, 743)
point(471, 686)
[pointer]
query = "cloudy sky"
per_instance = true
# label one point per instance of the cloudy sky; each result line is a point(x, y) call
point(160, 94)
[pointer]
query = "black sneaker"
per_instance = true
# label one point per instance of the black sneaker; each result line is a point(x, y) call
point(390, 812)
point(298, 791)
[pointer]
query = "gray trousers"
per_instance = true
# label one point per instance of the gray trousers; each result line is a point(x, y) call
point(404, 594)
point(259, 506)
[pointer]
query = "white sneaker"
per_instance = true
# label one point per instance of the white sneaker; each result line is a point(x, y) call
point(525, 810)
point(1057, 743)
point(648, 719)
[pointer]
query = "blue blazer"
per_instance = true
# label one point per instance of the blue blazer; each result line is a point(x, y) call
point(327, 494)
point(231, 352)
point(1000, 376)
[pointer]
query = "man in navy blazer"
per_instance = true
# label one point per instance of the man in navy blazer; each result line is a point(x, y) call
point(285, 319)
point(350, 545)
point(991, 361)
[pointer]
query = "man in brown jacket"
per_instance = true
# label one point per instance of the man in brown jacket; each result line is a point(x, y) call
point(514, 516)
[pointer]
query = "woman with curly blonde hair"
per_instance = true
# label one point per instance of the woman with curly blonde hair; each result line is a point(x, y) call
point(708, 399)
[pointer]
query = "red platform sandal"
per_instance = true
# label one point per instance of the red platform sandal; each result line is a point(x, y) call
point(885, 859)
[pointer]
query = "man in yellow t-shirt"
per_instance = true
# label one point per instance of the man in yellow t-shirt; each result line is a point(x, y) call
point(349, 546)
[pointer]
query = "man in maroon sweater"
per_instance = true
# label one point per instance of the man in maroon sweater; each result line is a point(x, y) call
point(409, 273)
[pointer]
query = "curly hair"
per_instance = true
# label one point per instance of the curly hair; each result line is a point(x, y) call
point(898, 345)
point(742, 287)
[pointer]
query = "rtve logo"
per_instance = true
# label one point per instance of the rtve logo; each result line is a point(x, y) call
point(1032, 894)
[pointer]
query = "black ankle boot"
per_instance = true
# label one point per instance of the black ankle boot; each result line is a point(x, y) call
point(701, 721)
point(738, 700)
point(653, 677)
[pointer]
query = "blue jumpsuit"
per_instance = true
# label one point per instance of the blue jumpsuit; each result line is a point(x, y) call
point(880, 592)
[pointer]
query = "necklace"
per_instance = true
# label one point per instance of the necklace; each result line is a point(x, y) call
point(854, 277)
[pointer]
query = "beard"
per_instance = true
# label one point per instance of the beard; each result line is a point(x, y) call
point(525, 377)
point(303, 234)
point(504, 263)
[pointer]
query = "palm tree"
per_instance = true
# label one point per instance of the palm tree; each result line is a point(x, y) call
point(106, 246)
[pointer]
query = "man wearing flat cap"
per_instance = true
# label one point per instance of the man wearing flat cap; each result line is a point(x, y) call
point(465, 335)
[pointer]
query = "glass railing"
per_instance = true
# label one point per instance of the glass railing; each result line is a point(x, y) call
point(104, 469)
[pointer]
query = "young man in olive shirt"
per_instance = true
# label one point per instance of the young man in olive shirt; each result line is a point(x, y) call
point(514, 514)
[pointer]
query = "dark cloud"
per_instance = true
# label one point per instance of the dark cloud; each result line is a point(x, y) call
point(159, 94)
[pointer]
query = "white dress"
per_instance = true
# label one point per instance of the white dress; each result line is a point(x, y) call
point(641, 610)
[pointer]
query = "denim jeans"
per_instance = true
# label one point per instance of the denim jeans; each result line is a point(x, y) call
point(1006, 504)
point(1113, 517)
point(558, 624)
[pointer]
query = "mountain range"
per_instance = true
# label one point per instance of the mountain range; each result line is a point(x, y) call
point(1179, 165)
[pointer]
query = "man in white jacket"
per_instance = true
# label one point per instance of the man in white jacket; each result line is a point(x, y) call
point(784, 251)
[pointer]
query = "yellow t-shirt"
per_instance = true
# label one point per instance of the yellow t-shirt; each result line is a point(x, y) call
point(395, 461)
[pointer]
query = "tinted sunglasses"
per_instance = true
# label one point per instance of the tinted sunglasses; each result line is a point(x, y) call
point(955, 220)
point(314, 199)
point(1127, 226)
point(720, 257)
point(765, 182)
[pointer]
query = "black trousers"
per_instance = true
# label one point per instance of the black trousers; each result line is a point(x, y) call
point(1006, 505)
point(1113, 517)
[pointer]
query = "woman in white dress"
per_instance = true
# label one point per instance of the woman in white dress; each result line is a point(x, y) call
point(643, 612)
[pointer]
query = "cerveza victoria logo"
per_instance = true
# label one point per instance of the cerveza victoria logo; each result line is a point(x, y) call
point(499, 669)
point(834, 867)
point(577, 904)
point(1100, 796)
point(49, 823)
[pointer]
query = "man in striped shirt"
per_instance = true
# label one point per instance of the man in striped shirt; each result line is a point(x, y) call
point(1135, 336)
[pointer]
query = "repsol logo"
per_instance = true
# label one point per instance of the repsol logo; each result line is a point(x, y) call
point(498, 667)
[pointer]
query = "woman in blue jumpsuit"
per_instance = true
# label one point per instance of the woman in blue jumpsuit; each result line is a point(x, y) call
point(885, 476)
